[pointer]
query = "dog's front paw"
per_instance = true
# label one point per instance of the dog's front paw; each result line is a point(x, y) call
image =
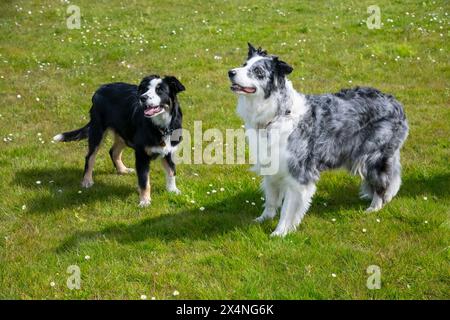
point(279, 233)
point(144, 203)
point(125, 171)
point(282, 232)
point(266, 215)
point(174, 190)
point(372, 209)
point(261, 218)
point(87, 183)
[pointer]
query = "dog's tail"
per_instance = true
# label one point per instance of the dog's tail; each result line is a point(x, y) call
point(74, 135)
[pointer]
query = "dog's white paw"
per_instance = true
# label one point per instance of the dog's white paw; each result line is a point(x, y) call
point(87, 183)
point(283, 231)
point(126, 171)
point(145, 203)
point(266, 215)
point(174, 190)
point(279, 233)
point(260, 219)
point(373, 209)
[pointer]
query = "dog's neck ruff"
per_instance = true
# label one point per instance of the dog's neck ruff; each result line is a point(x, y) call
point(162, 121)
point(259, 113)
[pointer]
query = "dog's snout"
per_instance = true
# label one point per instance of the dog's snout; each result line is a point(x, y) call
point(231, 73)
point(143, 98)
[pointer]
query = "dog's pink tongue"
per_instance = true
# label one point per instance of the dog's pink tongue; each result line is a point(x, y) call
point(151, 111)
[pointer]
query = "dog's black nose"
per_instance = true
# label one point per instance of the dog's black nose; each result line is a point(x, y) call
point(143, 98)
point(231, 73)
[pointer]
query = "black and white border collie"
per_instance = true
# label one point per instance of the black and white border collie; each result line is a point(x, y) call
point(146, 118)
point(361, 129)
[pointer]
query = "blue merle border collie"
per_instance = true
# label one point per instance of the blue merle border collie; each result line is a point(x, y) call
point(146, 118)
point(361, 129)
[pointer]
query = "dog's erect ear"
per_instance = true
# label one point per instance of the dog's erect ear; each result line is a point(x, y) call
point(251, 50)
point(282, 67)
point(175, 85)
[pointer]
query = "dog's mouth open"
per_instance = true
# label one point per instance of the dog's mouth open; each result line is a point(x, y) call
point(240, 89)
point(153, 111)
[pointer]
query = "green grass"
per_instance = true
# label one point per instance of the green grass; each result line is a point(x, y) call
point(218, 252)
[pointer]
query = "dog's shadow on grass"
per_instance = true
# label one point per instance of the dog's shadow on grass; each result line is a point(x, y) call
point(345, 194)
point(189, 222)
point(61, 189)
point(216, 219)
point(186, 222)
point(435, 185)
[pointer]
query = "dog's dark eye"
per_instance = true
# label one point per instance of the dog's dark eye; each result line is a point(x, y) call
point(158, 89)
point(245, 64)
point(259, 72)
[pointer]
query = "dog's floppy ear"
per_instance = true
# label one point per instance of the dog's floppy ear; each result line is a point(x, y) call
point(175, 85)
point(282, 67)
point(251, 50)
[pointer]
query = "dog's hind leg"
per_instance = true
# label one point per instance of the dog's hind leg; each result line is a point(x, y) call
point(395, 179)
point(96, 134)
point(384, 178)
point(116, 155)
point(295, 205)
point(379, 175)
point(273, 197)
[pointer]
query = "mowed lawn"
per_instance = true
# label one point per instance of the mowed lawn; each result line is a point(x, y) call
point(47, 223)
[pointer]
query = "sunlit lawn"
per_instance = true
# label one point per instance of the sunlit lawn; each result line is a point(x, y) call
point(49, 72)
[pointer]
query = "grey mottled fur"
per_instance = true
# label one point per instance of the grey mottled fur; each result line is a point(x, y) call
point(361, 129)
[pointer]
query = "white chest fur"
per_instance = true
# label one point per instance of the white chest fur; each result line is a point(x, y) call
point(163, 150)
point(269, 148)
